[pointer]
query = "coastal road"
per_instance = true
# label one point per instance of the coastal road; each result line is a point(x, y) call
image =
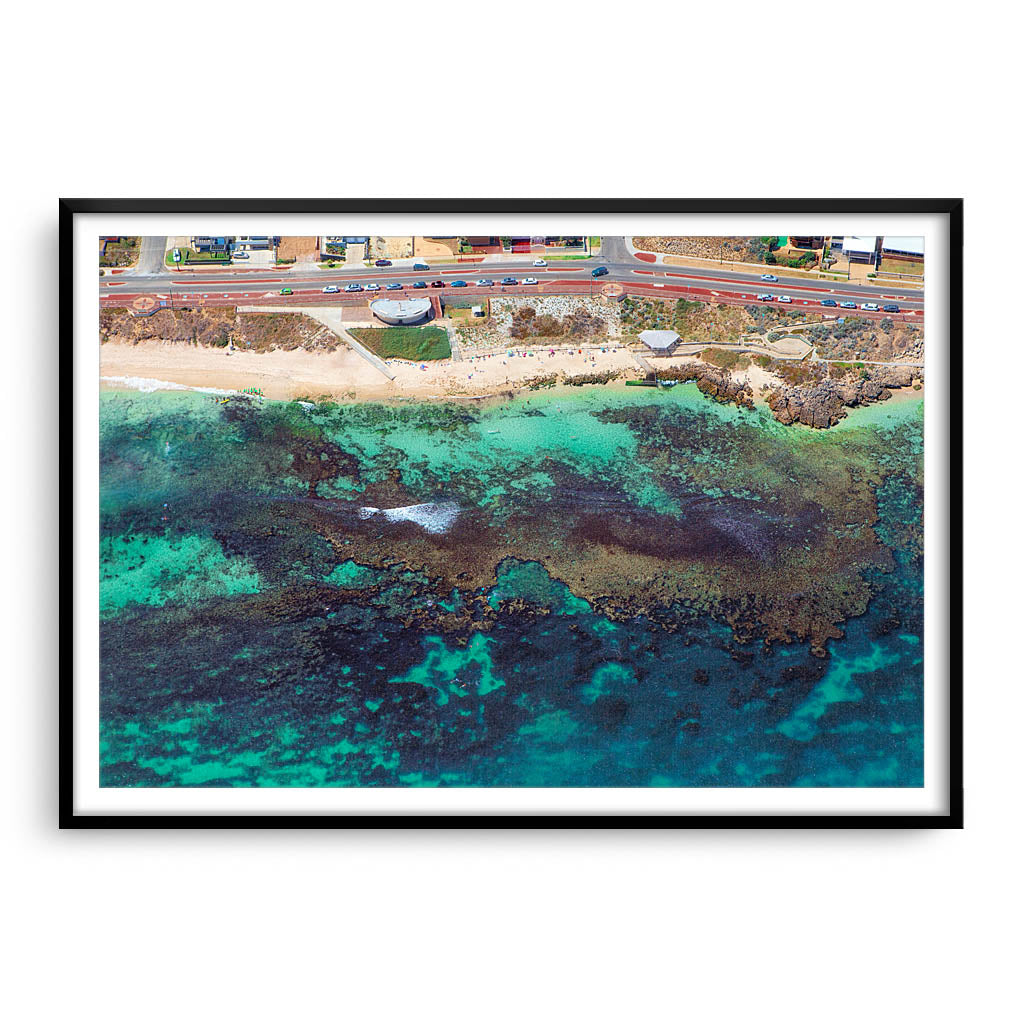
point(228, 286)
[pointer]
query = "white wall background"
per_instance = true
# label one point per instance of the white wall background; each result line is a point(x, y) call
point(587, 100)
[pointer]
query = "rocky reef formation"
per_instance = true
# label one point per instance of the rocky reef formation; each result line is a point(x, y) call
point(823, 405)
point(713, 382)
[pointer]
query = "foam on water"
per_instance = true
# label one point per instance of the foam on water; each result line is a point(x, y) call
point(434, 517)
point(149, 384)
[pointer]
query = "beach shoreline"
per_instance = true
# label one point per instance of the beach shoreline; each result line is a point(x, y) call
point(343, 376)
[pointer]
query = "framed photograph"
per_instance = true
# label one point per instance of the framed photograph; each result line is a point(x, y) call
point(652, 522)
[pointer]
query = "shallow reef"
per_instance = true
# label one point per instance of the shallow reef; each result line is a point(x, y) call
point(577, 587)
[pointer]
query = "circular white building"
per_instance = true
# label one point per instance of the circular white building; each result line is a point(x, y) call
point(400, 311)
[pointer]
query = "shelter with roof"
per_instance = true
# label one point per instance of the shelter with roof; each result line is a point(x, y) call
point(660, 343)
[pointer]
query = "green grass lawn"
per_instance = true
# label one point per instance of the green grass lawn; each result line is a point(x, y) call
point(413, 343)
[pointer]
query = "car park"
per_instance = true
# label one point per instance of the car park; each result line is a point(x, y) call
point(485, 282)
point(847, 305)
point(529, 280)
point(540, 263)
point(285, 291)
point(829, 302)
point(419, 284)
point(764, 297)
point(373, 287)
point(330, 289)
point(891, 308)
point(871, 307)
point(768, 277)
point(599, 272)
point(353, 287)
point(382, 263)
point(458, 284)
point(437, 284)
point(394, 286)
point(509, 280)
point(784, 298)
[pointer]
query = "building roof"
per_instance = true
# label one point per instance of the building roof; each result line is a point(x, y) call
point(859, 243)
point(904, 243)
point(659, 339)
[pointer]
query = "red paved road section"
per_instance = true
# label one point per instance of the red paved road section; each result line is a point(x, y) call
point(647, 257)
point(314, 297)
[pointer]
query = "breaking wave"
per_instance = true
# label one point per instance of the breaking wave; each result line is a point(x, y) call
point(434, 517)
point(148, 384)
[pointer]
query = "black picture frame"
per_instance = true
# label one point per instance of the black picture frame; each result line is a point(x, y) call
point(952, 208)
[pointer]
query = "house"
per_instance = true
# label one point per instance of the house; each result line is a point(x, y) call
point(210, 243)
point(254, 242)
point(660, 342)
point(859, 248)
point(807, 241)
point(903, 247)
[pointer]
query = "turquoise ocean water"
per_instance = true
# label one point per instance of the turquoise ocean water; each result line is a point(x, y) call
point(588, 587)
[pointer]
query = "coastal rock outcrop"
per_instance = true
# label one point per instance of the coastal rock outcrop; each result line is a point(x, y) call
point(713, 382)
point(825, 404)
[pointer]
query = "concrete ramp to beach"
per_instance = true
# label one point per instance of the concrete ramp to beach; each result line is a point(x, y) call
point(332, 319)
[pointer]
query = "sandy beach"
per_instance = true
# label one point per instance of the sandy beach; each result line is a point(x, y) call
point(344, 374)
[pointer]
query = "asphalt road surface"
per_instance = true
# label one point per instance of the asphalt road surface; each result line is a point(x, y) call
point(569, 276)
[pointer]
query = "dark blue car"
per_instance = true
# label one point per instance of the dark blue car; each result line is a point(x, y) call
point(599, 272)
point(829, 302)
point(509, 280)
point(419, 284)
point(458, 284)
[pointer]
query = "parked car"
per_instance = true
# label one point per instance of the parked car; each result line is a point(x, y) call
point(891, 308)
point(764, 297)
point(393, 287)
point(373, 287)
point(420, 266)
point(784, 298)
point(419, 284)
point(529, 280)
point(829, 302)
point(509, 280)
point(768, 277)
point(285, 291)
point(599, 272)
point(871, 307)
point(330, 289)
point(437, 284)
point(485, 282)
point(847, 305)
point(176, 256)
point(353, 287)
point(458, 284)
point(382, 263)
point(239, 255)
point(540, 263)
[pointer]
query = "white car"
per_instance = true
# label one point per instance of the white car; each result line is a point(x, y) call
point(239, 255)
point(176, 255)
point(764, 297)
point(529, 280)
point(540, 263)
point(373, 287)
point(784, 298)
point(871, 307)
point(330, 289)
